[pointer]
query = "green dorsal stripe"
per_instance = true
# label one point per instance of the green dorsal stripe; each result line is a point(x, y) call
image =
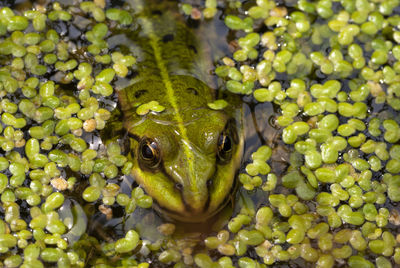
point(154, 41)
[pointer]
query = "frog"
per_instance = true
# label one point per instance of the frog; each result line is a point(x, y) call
point(185, 155)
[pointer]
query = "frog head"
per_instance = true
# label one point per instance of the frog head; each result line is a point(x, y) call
point(187, 165)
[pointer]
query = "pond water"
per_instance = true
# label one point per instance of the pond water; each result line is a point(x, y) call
point(319, 84)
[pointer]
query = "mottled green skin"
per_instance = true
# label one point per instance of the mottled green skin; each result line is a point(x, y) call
point(187, 131)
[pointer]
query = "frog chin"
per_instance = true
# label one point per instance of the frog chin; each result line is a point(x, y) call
point(188, 216)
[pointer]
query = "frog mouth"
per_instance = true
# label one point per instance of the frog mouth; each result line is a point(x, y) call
point(189, 217)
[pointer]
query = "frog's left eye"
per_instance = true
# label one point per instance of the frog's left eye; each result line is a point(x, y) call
point(149, 153)
point(224, 147)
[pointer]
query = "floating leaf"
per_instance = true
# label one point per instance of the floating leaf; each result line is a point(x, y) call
point(146, 107)
point(217, 105)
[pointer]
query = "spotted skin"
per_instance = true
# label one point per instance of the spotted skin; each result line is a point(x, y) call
point(191, 183)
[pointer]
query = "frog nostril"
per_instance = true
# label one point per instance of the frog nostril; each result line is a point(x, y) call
point(192, 91)
point(179, 187)
point(139, 93)
point(209, 183)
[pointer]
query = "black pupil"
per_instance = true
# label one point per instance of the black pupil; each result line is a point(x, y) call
point(147, 151)
point(226, 143)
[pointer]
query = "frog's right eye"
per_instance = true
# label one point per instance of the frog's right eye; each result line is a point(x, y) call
point(149, 153)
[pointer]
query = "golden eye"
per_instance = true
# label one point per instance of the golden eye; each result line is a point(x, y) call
point(224, 148)
point(149, 153)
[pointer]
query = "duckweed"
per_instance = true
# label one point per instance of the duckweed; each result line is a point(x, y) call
point(59, 118)
point(321, 64)
point(337, 114)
